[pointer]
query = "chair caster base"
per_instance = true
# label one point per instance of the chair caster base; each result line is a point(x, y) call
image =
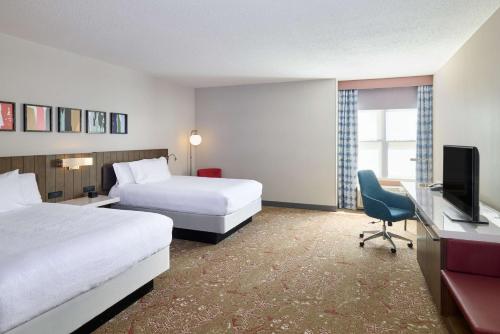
point(361, 235)
point(410, 245)
point(361, 244)
point(393, 250)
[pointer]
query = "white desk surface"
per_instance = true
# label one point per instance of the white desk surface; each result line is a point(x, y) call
point(431, 206)
point(96, 202)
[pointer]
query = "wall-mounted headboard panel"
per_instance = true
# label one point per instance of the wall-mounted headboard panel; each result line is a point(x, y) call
point(51, 178)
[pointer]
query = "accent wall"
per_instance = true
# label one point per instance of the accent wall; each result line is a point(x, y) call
point(160, 114)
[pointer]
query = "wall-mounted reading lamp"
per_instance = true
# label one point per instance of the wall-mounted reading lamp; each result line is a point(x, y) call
point(194, 140)
point(75, 163)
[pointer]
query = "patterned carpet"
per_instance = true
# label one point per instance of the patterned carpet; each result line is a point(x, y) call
point(288, 271)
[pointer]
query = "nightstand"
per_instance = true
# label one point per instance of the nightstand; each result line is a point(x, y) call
point(95, 202)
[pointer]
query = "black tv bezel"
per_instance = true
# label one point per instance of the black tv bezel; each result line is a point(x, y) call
point(474, 210)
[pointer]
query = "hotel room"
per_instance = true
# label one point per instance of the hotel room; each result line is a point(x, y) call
point(283, 166)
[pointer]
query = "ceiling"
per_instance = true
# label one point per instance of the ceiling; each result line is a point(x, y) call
point(222, 42)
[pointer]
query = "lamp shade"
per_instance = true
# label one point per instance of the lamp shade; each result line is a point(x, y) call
point(195, 138)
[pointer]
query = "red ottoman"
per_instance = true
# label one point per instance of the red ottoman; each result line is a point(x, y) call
point(210, 172)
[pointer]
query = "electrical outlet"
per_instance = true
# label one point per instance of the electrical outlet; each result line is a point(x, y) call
point(88, 189)
point(55, 194)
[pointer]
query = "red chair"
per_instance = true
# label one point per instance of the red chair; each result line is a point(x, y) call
point(210, 172)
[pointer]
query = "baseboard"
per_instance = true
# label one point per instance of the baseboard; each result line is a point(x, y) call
point(300, 206)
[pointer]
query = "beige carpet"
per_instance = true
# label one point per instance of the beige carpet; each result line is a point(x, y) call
point(294, 271)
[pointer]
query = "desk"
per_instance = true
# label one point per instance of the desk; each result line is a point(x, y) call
point(434, 228)
point(431, 205)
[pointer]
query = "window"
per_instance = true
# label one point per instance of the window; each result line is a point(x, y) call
point(388, 142)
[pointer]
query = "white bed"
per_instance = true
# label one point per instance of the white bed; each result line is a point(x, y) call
point(62, 265)
point(190, 194)
point(213, 205)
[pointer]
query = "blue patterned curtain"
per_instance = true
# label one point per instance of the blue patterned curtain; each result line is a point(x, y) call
point(347, 148)
point(424, 134)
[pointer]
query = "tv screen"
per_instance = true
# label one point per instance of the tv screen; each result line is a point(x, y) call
point(461, 178)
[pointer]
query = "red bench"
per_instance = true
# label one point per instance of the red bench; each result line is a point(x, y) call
point(210, 172)
point(472, 279)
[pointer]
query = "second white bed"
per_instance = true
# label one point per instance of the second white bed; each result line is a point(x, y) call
point(190, 194)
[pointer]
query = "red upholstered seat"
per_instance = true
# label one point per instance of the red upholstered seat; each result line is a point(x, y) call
point(473, 257)
point(210, 172)
point(478, 297)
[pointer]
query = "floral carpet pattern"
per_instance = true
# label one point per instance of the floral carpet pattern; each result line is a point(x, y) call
point(288, 271)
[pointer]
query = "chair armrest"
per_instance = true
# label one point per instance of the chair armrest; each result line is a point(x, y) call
point(398, 201)
point(376, 208)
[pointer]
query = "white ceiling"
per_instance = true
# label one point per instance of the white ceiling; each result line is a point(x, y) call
point(221, 42)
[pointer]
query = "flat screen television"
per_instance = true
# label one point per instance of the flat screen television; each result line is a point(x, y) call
point(461, 180)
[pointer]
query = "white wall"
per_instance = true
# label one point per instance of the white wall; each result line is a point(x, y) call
point(467, 105)
point(282, 135)
point(160, 114)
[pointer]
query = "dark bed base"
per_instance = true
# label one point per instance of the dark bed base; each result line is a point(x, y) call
point(102, 318)
point(207, 237)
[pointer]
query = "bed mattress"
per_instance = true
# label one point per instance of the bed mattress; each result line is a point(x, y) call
point(191, 194)
point(51, 253)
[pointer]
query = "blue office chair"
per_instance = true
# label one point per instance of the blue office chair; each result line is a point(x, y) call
point(384, 205)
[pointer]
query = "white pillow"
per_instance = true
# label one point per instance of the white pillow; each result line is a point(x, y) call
point(150, 170)
point(123, 173)
point(12, 172)
point(29, 189)
point(10, 192)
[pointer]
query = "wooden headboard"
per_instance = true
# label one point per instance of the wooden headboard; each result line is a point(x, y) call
point(51, 178)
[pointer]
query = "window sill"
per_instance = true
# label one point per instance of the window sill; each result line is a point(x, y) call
point(393, 182)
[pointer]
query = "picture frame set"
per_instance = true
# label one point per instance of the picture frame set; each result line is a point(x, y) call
point(95, 122)
point(69, 120)
point(119, 123)
point(38, 118)
point(7, 116)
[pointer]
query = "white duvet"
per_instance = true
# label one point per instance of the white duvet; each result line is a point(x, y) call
point(191, 194)
point(50, 253)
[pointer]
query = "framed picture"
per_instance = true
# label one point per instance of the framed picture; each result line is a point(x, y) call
point(7, 116)
point(119, 123)
point(96, 121)
point(69, 120)
point(37, 118)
